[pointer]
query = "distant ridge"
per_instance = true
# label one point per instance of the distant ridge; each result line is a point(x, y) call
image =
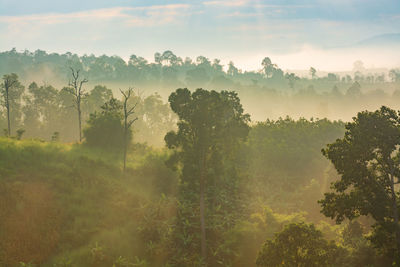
point(383, 39)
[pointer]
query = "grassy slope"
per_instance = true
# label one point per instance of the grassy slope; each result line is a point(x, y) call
point(64, 198)
point(61, 203)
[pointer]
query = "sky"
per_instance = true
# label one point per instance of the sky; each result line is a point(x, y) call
point(328, 35)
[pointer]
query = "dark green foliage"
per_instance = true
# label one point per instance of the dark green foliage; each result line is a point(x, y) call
point(96, 98)
point(210, 129)
point(19, 133)
point(11, 91)
point(300, 245)
point(285, 164)
point(367, 159)
point(105, 128)
point(152, 169)
point(222, 194)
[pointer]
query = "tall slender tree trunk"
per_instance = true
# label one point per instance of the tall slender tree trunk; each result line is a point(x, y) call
point(125, 140)
point(80, 121)
point(202, 210)
point(395, 216)
point(8, 113)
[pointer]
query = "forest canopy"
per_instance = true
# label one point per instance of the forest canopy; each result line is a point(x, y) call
point(111, 165)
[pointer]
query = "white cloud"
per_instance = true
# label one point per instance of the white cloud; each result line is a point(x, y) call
point(151, 15)
point(232, 3)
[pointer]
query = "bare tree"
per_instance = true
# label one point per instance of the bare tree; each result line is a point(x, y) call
point(77, 91)
point(9, 81)
point(127, 122)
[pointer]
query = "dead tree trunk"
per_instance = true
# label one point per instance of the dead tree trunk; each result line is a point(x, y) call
point(127, 122)
point(77, 91)
point(8, 112)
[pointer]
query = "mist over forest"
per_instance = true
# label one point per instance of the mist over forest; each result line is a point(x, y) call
point(199, 133)
point(267, 92)
point(106, 163)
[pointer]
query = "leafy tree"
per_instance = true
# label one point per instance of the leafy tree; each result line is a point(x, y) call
point(197, 77)
point(169, 58)
point(11, 90)
point(20, 132)
point(105, 129)
point(367, 159)
point(217, 65)
point(313, 71)
point(232, 70)
point(42, 107)
point(394, 75)
point(169, 76)
point(299, 245)
point(283, 157)
point(155, 118)
point(96, 98)
point(268, 67)
point(157, 58)
point(354, 90)
point(210, 127)
point(292, 78)
point(332, 77)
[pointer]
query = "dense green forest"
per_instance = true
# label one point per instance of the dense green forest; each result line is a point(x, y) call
point(94, 172)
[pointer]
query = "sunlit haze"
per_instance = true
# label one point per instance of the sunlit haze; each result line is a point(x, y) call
point(329, 35)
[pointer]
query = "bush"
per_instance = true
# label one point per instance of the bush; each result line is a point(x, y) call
point(105, 129)
point(300, 245)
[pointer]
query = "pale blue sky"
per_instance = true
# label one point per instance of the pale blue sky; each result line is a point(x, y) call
point(295, 34)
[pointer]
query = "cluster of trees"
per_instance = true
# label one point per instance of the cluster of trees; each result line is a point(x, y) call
point(167, 71)
point(224, 173)
point(48, 113)
point(219, 175)
point(268, 92)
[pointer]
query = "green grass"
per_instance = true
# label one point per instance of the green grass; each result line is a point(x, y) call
point(93, 200)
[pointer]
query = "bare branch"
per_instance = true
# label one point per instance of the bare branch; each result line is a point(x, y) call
point(123, 93)
point(132, 121)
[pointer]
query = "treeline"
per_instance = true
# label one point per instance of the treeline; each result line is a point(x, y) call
point(170, 71)
point(268, 92)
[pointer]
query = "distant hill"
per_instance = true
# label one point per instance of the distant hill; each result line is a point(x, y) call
point(391, 39)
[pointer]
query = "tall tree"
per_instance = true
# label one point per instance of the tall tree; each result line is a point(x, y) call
point(268, 67)
point(368, 160)
point(10, 82)
point(128, 111)
point(76, 90)
point(210, 126)
point(292, 78)
point(312, 71)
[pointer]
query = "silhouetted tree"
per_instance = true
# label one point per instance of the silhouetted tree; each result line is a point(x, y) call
point(367, 159)
point(268, 67)
point(10, 83)
point(312, 72)
point(105, 128)
point(75, 86)
point(210, 125)
point(292, 78)
point(128, 111)
point(300, 245)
